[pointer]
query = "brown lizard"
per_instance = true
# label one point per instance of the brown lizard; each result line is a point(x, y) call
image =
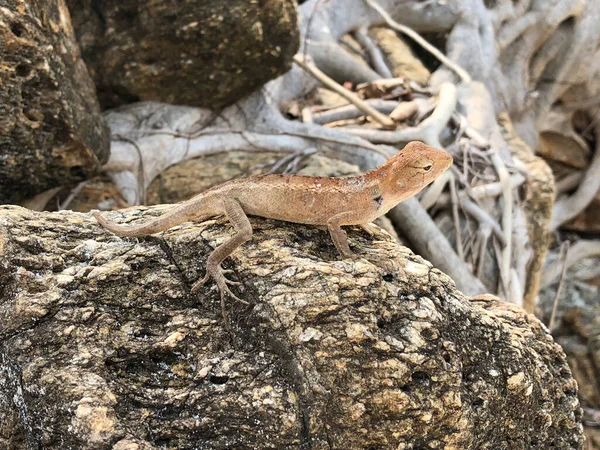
point(333, 202)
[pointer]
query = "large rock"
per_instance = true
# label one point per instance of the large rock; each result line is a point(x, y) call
point(102, 345)
point(51, 130)
point(206, 53)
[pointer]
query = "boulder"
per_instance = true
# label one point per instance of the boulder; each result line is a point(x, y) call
point(207, 53)
point(103, 345)
point(52, 132)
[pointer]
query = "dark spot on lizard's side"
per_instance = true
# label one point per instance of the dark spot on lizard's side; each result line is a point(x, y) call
point(378, 201)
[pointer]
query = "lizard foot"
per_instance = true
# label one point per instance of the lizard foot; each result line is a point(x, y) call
point(217, 274)
point(366, 227)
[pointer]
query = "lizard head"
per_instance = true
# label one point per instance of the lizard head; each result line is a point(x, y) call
point(413, 168)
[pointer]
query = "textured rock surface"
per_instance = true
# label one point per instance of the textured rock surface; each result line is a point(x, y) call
point(51, 130)
point(194, 52)
point(102, 345)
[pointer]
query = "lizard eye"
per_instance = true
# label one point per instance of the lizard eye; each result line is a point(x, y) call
point(427, 168)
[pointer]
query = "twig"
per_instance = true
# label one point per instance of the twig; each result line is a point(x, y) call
point(375, 54)
point(291, 161)
point(307, 115)
point(431, 195)
point(428, 131)
point(352, 112)
point(485, 230)
point(463, 75)
point(353, 48)
point(483, 191)
point(72, 195)
point(583, 104)
point(581, 249)
point(345, 123)
point(507, 214)
point(350, 96)
point(564, 251)
point(404, 111)
point(481, 216)
point(456, 218)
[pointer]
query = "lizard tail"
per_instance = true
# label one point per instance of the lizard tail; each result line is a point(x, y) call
point(176, 216)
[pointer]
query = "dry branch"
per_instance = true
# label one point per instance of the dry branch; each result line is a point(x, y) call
point(350, 96)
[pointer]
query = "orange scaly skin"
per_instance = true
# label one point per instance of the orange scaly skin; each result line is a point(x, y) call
point(302, 199)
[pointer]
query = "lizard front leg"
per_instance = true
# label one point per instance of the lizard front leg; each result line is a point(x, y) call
point(339, 236)
point(236, 215)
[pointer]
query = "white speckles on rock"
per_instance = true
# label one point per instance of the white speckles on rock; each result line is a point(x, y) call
point(172, 340)
point(63, 280)
point(358, 332)
point(86, 249)
point(426, 309)
point(126, 444)
point(516, 381)
point(413, 336)
point(394, 343)
point(357, 410)
point(416, 270)
point(93, 420)
point(310, 334)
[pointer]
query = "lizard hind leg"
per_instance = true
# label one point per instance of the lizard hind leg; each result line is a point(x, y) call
point(243, 228)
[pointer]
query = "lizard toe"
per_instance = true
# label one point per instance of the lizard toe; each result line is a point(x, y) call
point(225, 289)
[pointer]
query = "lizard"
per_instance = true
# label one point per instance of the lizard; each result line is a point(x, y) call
point(328, 201)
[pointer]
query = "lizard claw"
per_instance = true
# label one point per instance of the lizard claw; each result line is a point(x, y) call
point(225, 290)
point(217, 274)
point(227, 280)
point(201, 282)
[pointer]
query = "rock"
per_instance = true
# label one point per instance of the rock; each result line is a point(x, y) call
point(588, 221)
point(193, 52)
point(563, 149)
point(51, 130)
point(103, 344)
